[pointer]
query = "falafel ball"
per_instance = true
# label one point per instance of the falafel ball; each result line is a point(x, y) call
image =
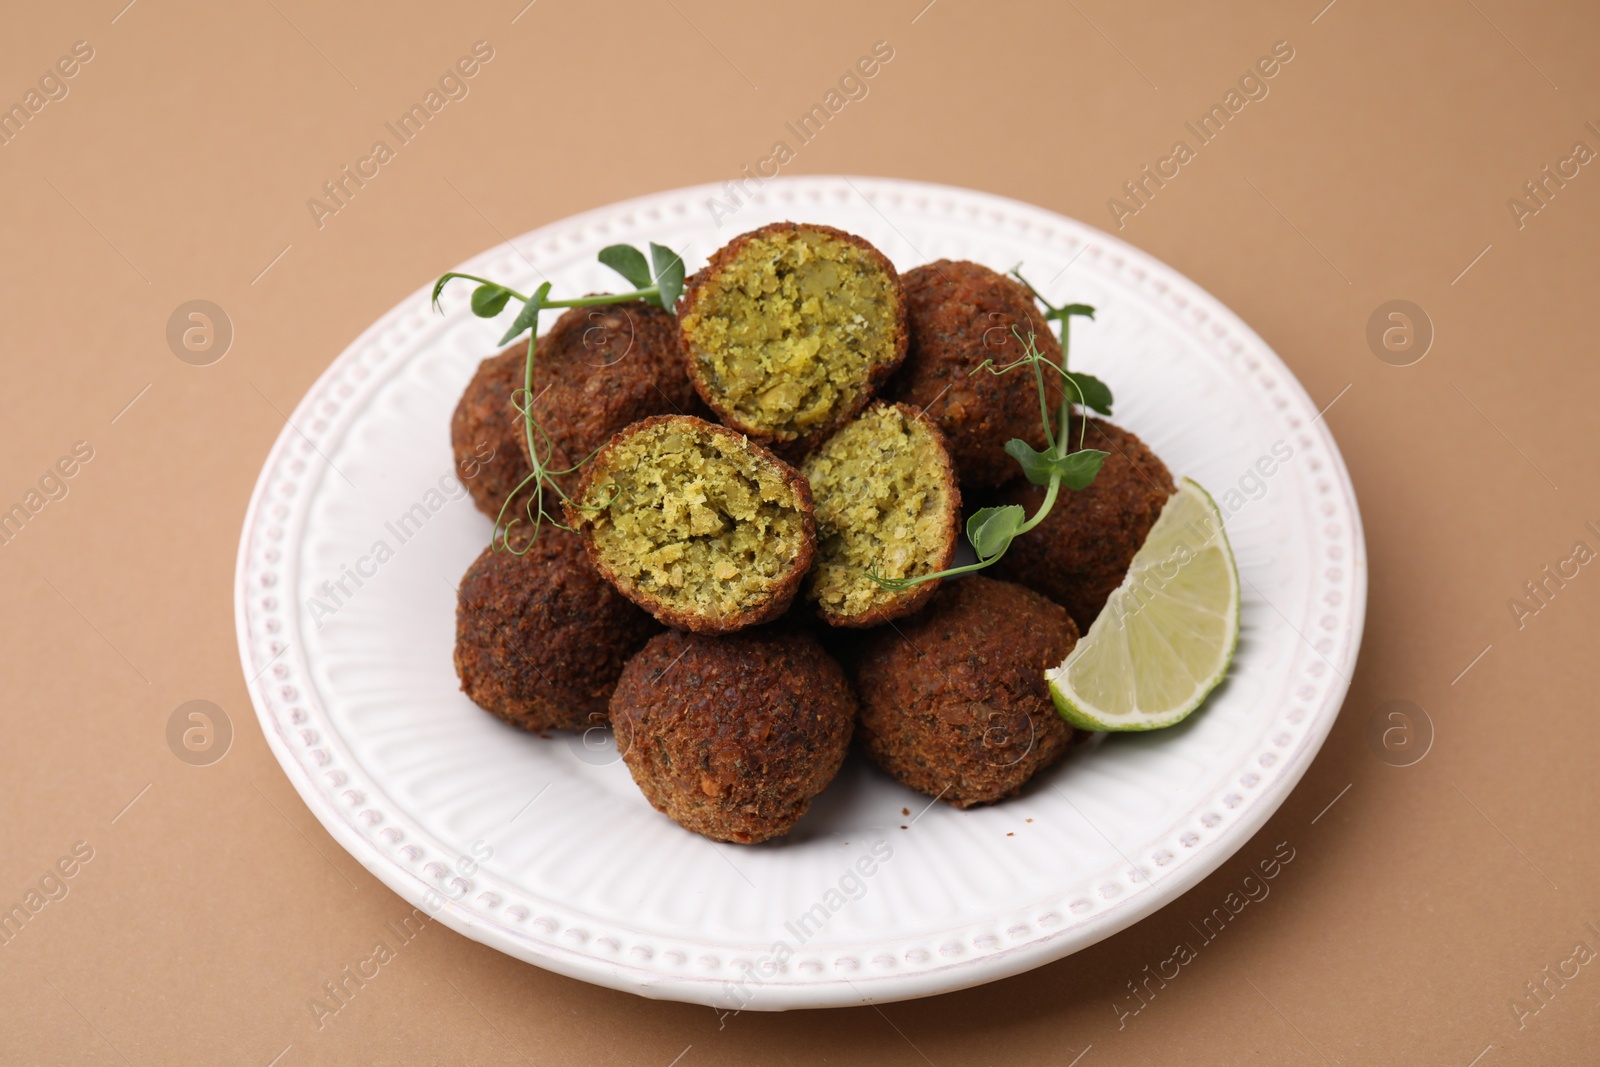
point(732, 737)
point(962, 314)
point(954, 701)
point(1081, 551)
point(541, 638)
point(887, 503)
point(789, 329)
point(696, 524)
point(598, 370)
point(486, 431)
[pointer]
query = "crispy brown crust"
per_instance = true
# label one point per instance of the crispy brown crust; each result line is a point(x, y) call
point(954, 701)
point(600, 369)
point(733, 737)
point(486, 431)
point(792, 446)
point(782, 596)
point(1080, 553)
point(913, 598)
point(540, 638)
point(960, 315)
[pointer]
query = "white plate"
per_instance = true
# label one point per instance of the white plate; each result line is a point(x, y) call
point(578, 873)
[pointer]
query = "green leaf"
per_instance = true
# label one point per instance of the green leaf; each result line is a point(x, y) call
point(991, 529)
point(669, 274)
point(1079, 468)
point(528, 318)
point(1036, 466)
point(629, 262)
point(1092, 393)
point(1075, 469)
point(488, 300)
point(525, 319)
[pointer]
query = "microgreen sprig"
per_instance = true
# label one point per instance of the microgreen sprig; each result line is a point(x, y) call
point(658, 281)
point(1091, 392)
point(991, 530)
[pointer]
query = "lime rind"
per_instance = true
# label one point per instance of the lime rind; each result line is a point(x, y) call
point(1166, 637)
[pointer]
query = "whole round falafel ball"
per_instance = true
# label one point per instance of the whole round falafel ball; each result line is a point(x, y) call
point(541, 638)
point(595, 371)
point(887, 504)
point(962, 314)
point(696, 524)
point(954, 701)
point(1081, 551)
point(732, 737)
point(598, 370)
point(789, 329)
point(486, 431)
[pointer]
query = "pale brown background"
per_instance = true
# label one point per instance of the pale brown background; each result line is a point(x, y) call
point(1378, 168)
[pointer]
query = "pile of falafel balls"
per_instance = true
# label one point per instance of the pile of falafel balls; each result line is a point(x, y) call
point(808, 416)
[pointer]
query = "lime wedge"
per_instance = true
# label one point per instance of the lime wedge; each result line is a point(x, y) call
point(1166, 635)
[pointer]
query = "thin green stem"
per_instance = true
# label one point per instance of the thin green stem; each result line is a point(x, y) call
point(528, 425)
point(1038, 377)
point(906, 583)
point(481, 281)
point(1052, 490)
point(1045, 505)
point(605, 298)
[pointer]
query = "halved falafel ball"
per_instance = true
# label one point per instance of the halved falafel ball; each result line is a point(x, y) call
point(962, 314)
point(954, 701)
point(886, 502)
point(788, 330)
point(1080, 553)
point(598, 370)
point(486, 431)
point(696, 524)
point(541, 638)
point(732, 737)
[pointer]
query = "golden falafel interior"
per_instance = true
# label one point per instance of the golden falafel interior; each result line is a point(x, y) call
point(787, 332)
point(695, 519)
point(883, 494)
